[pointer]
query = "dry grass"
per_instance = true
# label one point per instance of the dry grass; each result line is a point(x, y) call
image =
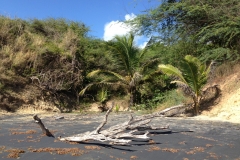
point(172, 150)
point(154, 148)
point(2, 148)
point(92, 147)
point(14, 153)
point(133, 157)
point(225, 70)
point(27, 132)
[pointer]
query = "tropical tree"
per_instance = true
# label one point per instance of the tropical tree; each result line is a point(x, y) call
point(212, 24)
point(128, 68)
point(191, 76)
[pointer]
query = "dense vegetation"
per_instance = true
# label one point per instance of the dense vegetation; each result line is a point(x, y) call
point(70, 68)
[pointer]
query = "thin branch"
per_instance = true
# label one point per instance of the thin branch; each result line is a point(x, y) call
point(44, 129)
point(105, 120)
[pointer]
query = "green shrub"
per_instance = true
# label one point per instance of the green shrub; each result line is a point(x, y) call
point(117, 107)
point(165, 99)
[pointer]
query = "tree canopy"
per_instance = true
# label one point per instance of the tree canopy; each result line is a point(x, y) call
point(214, 24)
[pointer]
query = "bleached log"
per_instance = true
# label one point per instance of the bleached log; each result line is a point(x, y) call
point(173, 110)
point(117, 134)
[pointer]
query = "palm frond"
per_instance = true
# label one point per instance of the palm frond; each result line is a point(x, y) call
point(192, 59)
point(109, 73)
point(178, 82)
point(82, 92)
point(101, 84)
point(94, 73)
point(127, 52)
point(190, 70)
point(149, 63)
point(171, 71)
point(151, 75)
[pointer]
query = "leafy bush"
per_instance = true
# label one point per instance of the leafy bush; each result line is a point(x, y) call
point(163, 100)
point(117, 107)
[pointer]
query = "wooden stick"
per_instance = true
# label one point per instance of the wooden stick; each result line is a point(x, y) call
point(44, 129)
point(105, 120)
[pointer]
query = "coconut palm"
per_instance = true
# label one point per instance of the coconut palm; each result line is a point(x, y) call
point(192, 76)
point(128, 70)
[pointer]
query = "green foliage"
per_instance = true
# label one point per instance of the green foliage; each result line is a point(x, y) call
point(102, 95)
point(98, 56)
point(195, 73)
point(128, 71)
point(51, 50)
point(220, 54)
point(117, 107)
point(126, 53)
point(1, 86)
point(162, 99)
point(10, 30)
point(211, 25)
point(191, 73)
point(63, 57)
point(37, 26)
point(151, 104)
point(173, 97)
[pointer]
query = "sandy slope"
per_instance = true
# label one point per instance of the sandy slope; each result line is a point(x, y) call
point(228, 107)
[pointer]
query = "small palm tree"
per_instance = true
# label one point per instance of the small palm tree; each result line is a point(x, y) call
point(192, 76)
point(128, 71)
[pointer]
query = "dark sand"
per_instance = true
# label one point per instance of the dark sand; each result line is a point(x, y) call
point(187, 139)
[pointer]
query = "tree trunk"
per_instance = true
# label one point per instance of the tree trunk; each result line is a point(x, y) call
point(196, 105)
point(132, 99)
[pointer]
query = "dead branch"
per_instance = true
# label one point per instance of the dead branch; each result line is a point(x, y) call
point(171, 111)
point(117, 134)
point(105, 120)
point(44, 129)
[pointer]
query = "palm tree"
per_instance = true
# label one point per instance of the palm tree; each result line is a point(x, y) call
point(192, 76)
point(128, 70)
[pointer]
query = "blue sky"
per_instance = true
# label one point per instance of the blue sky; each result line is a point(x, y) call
point(102, 16)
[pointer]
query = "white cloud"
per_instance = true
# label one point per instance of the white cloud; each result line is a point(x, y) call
point(130, 16)
point(119, 28)
point(114, 28)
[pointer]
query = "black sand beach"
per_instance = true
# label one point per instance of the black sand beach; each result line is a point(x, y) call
point(187, 139)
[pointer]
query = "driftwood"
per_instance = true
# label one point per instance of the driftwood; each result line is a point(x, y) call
point(120, 134)
point(44, 129)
